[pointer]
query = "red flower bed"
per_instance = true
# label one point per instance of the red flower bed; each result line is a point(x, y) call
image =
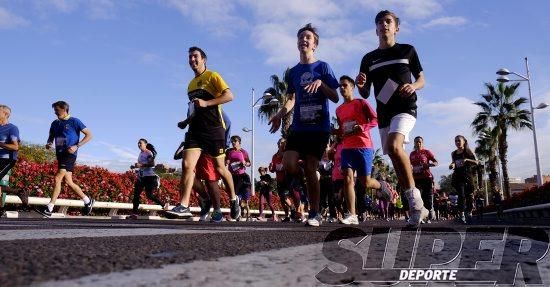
point(532, 196)
point(100, 183)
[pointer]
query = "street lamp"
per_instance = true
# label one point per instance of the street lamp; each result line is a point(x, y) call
point(503, 73)
point(254, 104)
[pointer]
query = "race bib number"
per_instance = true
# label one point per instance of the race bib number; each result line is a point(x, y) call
point(235, 166)
point(348, 126)
point(417, 169)
point(311, 114)
point(387, 91)
point(459, 163)
point(60, 141)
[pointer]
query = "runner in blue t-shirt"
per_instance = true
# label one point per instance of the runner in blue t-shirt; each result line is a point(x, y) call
point(65, 130)
point(9, 146)
point(311, 83)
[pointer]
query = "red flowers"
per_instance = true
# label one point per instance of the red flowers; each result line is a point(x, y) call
point(100, 183)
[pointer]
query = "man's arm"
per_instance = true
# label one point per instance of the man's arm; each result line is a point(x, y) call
point(275, 121)
point(226, 96)
point(10, 146)
point(409, 89)
point(87, 137)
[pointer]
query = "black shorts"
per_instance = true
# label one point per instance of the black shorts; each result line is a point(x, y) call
point(212, 146)
point(307, 143)
point(66, 161)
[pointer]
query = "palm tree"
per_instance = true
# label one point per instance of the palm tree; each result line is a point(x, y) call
point(279, 91)
point(486, 149)
point(502, 110)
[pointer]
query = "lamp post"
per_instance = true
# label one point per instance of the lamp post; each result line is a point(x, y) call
point(503, 73)
point(254, 104)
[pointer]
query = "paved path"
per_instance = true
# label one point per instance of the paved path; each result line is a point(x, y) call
point(92, 252)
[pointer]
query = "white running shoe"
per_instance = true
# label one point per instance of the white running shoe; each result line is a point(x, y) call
point(350, 219)
point(315, 221)
point(416, 207)
point(204, 217)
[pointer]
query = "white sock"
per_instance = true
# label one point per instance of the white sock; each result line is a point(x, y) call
point(86, 200)
point(50, 206)
point(234, 198)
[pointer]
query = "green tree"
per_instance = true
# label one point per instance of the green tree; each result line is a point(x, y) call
point(279, 90)
point(486, 148)
point(502, 110)
point(36, 153)
point(445, 184)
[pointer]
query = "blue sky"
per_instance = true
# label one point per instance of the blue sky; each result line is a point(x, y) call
point(122, 65)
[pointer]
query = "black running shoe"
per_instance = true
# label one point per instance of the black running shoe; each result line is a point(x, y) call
point(87, 209)
point(235, 208)
point(44, 211)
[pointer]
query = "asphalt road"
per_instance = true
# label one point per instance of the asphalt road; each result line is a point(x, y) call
point(100, 252)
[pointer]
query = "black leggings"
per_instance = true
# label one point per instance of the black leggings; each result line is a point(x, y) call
point(425, 185)
point(465, 188)
point(5, 166)
point(150, 184)
point(328, 198)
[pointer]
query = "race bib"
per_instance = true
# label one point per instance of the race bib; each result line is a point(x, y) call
point(279, 167)
point(235, 165)
point(60, 141)
point(459, 163)
point(311, 114)
point(348, 126)
point(417, 169)
point(387, 91)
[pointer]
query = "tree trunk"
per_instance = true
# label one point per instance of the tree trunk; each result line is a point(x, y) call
point(503, 150)
point(493, 174)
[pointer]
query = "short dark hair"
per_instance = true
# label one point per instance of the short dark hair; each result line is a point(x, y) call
point(238, 138)
point(347, 78)
point(62, 105)
point(383, 14)
point(418, 137)
point(309, 27)
point(194, 48)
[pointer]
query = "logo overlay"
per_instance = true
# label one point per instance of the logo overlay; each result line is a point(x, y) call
point(483, 256)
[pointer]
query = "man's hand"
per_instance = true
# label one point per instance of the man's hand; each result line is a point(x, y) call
point(361, 80)
point(313, 87)
point(200, 103)
point(275, 123)
point(183, 124)
point(72, 149)
point(49, 145)
point(406, 90)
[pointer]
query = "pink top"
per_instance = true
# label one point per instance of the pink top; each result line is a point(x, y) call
point(357, 112)
point(337, 169)
point(420, 162)
point(235, 158)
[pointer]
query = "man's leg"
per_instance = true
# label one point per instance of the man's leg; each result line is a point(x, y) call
point(189, 162)
point(312, 183)
point(225, 175)
point(349, 190)
point(400, 160)
point(74, 186)
point(58, 180)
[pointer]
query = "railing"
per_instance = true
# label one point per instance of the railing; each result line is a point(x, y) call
point(114, 207)
point(533, 211)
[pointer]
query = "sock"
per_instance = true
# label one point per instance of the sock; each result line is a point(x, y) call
point(50, 206)
point(86, 200)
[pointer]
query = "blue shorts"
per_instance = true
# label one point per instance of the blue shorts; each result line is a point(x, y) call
point(66, 161)
point(358, 159)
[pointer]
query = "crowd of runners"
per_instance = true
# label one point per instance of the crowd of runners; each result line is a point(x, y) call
point(322, 173)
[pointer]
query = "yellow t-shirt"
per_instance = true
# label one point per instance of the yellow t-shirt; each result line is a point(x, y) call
point(207, 121)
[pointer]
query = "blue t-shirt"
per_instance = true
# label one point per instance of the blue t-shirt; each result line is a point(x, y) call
point(310, 110)
point(66, 133)
point(9, 134)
